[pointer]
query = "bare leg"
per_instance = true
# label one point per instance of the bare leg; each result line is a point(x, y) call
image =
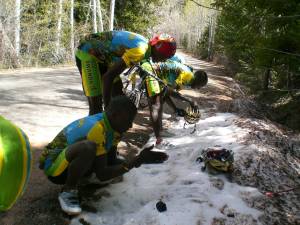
point(95, 105)
point(81, 157)
point(156, 109)
point(117, 88)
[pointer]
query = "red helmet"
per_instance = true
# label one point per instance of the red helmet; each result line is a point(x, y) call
point(164, 44)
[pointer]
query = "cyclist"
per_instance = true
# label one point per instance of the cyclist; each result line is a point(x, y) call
point(82, 148)
point(175, 76)
point(102, 57)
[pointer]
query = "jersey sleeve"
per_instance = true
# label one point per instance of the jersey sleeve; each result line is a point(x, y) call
point(134, 55)
point(184, 79)
point(97, 135)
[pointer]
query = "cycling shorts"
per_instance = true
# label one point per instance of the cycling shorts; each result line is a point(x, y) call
point(91, 74)
point(153, 87)
point(89, 69)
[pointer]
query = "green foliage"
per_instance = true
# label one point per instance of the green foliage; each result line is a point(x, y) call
point(184, 41)
point(202, 45)
point(39, 19)
point(283, 106)
point(136, 15)
point(262, 38)
point(191, 26)
point(38, 23)
point(257, 36)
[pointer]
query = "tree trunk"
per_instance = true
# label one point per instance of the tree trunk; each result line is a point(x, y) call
point(289, 81)
point(88, 13)
point(94, 16)
point(59, 26)
point(8, 47)
point(99, 16)
point(1, 45)
point(72, 28)
point(112, 14)
point(212, 40)
point(210, 33)
point(266, 80)
point(17, 26)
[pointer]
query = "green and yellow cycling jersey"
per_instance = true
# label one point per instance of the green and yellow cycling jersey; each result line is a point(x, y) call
point(111, 46)
point(171, 72)
point(94, 128)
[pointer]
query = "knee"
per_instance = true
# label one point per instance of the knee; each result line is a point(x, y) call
point(89, 149)
point(86, 150)
point(156, 108)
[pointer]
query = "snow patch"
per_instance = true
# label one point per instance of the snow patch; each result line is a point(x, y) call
point(190, 195)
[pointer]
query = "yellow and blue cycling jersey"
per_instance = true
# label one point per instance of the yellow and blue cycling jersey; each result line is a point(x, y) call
point(97, 53)
point(171, 72)
point(175, 74)
point(107, 47)
point(94, 128)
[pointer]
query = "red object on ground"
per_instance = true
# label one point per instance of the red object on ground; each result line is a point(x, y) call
point(274, 194)
point(158, 141)
point(269, 194)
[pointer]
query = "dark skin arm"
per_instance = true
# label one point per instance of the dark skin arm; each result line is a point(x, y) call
point(109, 77)
point(175, 94)
point(170, 102)
point(104, 172)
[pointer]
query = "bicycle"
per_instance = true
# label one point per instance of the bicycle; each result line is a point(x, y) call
point(137, 92)
point(133, 85)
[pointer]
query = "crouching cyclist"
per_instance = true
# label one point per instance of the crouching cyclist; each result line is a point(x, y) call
point(175, 76)
point(83, 148)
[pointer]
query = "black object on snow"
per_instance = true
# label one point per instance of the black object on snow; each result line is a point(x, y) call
point(230, 214)
point(161, 206)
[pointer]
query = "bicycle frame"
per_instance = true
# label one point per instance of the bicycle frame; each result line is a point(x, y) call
point(138, 90)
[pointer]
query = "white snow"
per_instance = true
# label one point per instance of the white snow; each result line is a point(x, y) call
point(187, 191)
